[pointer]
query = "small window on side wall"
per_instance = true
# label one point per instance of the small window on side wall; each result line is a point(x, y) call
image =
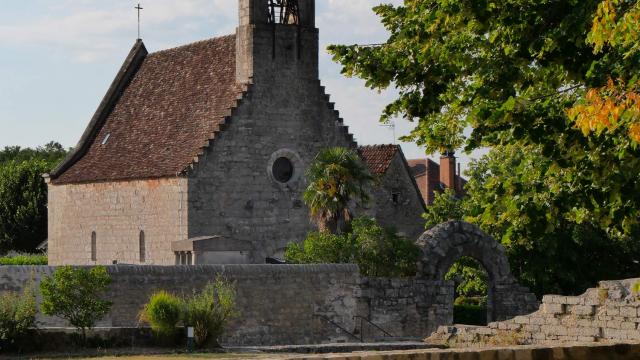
point(395, 197)
point(143, 250)
point(94, 250)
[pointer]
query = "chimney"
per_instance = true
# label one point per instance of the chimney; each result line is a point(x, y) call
point(276, 40)
point(448, 170)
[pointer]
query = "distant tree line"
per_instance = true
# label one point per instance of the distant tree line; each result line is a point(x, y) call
point(23, 194)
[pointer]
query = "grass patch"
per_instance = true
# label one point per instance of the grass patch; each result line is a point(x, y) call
point(24, 259)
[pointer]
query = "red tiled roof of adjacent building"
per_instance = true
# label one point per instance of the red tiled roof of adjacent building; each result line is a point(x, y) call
point(427, 175)
point(378, 157)
point(162, 114)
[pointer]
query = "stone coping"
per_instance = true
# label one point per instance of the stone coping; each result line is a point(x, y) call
point(222, 269)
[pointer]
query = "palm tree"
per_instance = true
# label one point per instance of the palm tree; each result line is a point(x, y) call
point(336, 177)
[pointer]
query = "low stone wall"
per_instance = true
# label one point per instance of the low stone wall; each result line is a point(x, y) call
point(281, 304)
point(404, 307)
point(609, 312)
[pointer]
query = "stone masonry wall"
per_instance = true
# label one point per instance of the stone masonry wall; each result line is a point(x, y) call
point(117, 212)
point(277, 304)
point(405, 307)
point(610, 312)
point(285, 113)
point(406, 214)
point(232, 192)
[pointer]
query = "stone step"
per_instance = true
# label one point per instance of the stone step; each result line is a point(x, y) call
point(338, 347)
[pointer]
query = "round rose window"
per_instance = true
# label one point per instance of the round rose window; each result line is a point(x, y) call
point(282, 170)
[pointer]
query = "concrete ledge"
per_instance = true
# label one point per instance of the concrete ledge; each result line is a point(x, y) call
point(622, 351)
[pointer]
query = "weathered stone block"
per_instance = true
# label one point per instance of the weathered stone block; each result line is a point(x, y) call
point(554, 308)
point(612, 310)
point(573, 300)
point(629, 311)
point(628, 325)
point(553, 299)
point(583, 310)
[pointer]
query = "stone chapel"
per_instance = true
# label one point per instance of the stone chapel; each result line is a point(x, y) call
point(197, 154)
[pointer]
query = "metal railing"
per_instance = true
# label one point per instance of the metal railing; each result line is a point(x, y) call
point(363, 319)
point(327, 319)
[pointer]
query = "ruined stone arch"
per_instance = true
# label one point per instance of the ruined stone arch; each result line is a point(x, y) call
point(446, 243)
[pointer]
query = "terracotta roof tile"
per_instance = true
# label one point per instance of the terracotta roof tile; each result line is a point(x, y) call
point(430, 170)
point(174, 103)
point(378, 157)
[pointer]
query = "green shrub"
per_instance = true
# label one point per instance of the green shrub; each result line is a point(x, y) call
point(470, 314)
point(378, 251)
point(209, 311)
point(473, 300)
point(74, 294)
point(17, 315)
point(635, 289)
point(322, 247)
point(24, 259)
point(163, 312)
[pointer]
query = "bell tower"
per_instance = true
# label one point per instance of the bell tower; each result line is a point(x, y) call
point(276, 38)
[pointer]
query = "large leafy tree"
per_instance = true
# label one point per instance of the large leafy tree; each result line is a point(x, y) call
point(525, 73)
point(23, 195)
point(509, 197)
point(337, 177)
point(23, 205)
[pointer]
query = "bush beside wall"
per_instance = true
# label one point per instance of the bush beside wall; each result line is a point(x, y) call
point(24, 259)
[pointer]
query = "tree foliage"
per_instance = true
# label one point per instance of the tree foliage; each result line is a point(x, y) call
point(23, 195)
point(337, 177)
point(17, 316)
point(75, 294)
point(511, 196)
point(23, 204)
point(446, 206)
point(527, 73)
point(52, 153)
point(470, 278)
point(376, 250)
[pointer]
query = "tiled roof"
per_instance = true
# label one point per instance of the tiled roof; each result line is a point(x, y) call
point(170, 107)
point(419, 166)
point(378, 157)
point(427, 174)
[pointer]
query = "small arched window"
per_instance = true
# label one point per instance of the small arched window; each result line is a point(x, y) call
point(94, 250)
point(143, 250)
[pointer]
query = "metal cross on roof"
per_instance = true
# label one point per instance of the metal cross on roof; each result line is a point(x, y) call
point(139, 8)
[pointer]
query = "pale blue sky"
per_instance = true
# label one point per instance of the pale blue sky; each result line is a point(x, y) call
point(58, 57)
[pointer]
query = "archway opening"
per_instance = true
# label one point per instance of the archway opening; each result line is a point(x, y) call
point(472, 300)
